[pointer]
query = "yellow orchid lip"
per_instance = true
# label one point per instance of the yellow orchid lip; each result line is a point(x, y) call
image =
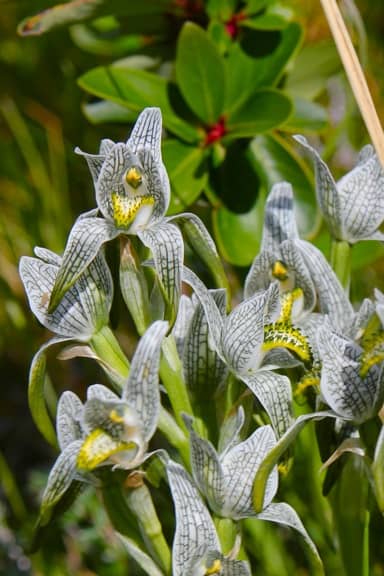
point(125, 208)
point(279, 270)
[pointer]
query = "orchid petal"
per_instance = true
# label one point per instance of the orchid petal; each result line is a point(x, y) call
point(361, 197)
point(142, 391)
point(243, 331)
point(274, 393)
point(284, 514)
point(181, 325)
point(68, 419)
point(326, 190)
point(212, 312)
point(279, 218)
point(206, 469)
point(59, 479)
point(239, 466)
point(157, 183)
point(166, 244)
point(146, 132)
point(259, 276)
point(84, 242)
point(194, 526)
point(344, 389)
point(95, 163)
point(331, 296)
point(230, 430)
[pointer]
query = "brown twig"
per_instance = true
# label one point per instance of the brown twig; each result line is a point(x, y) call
point(355, 74)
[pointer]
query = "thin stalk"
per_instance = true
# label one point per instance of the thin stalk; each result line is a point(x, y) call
point(140, 502)
point(355, 74)
point(174, 434)
point(106, 347)
point(171, 372)
point(341, 262)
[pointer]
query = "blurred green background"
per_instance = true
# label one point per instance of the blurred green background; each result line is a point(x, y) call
point(44, 114)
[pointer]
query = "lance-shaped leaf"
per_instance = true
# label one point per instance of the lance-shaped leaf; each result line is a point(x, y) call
point(354, 207)
point(351, 387)
point(196, 548)
point(141, 557)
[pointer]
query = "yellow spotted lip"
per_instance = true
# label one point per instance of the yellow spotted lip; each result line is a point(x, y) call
point(126, 208)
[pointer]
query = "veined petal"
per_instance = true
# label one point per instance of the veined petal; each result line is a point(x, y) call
point(36, 398)
point(284, 514)
point(195, 530)
point(206, 469)
point(94, 161)
point(235, 568)
point(212, 312)
point(259, 276)
point(344, 389)
point(362, 198)
point(202, 243)
point(102, 392)
point(146, 132)
point(47, 256)
point(166, 244)
point(84, 242)
point(142, 391)
point(240, 465)
point(294, 261)
point(274, 393)
point(230, 431)
point(326, 191)
point(203, 369)
point(331, 296)
point(243, 332)
point(68, 419)
point(181, 325)
point(59, 479)
point(279, 219)
point(157, 182)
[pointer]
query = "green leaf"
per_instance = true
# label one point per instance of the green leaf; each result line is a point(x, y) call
point(137, 89)
point(277, 162)
point(221, 10)
point(264, 110)
point(200, 73)
point(248, 74)
point(312, 69)
point(238, 235)
point(107, 111)
point(306, 117)
point(265, 22)
point(187, 173)
point(36, 399)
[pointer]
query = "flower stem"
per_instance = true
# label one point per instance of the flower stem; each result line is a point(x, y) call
point(341, 262)
point(171, 372)
point(174, 435)
point(140, 502)
point(113, 359)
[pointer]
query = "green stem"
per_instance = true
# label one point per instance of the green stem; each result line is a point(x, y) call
point(113, 359)
point(171, 372)
point(140, 502)
point(174, 435)
point(227, 532)
point(341, 261)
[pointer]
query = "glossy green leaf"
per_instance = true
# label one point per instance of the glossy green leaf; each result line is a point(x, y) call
point(238, 235)
point(265, 22)
point(248, 74)
point(253, 6)
point(264, 110)
point(312, 69)
point(137, 89)
point(107, 111)
point(200, 73)
point(278, 162)
point(187, 173)
point(220, 9)
point(306, 117)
